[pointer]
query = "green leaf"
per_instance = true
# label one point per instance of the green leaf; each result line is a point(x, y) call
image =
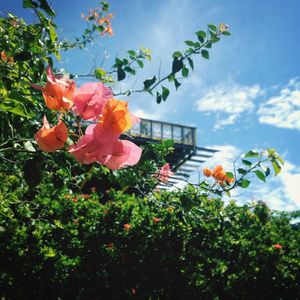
point(158, 97)
point(201, 35)
point(52, 33)
point(118, 62)
point(177, 84)
point(252, 153)
point(190, 43)
point(212, 27)
point(208, 45)
point(140, 63)
point(280, 159)
point(177, 54)
point(149, 82)
point(129, 70)
point(46, 7)
point(247, 162)
point(242, 171)
point(267, 171)
point(131, 53)
point(215, 39)
point(244, 183)
point(14, 103)
point(121, 74)
point(229, 174)
point(185, 71)
point(165, 93)
point(205, 54)
point(177, 65)
point(99, 73)
point(260, 175)
point(29, 4)
point(276, 167)
point(171, 77)
point(191, 63)
point(226, 33)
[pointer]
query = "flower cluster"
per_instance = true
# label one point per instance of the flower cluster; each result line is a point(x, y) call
point(219, 174)
point(164, 173)
point(102, 20)
point(92, 102)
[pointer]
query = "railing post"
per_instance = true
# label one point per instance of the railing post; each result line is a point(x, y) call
point(194, 140)
point(161, 131)
point(151, 130)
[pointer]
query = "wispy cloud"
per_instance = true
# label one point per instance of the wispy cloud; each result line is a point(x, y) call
point(283, 110)
point(229, 100)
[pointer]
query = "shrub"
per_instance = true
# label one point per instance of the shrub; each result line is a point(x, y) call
point(169, 245)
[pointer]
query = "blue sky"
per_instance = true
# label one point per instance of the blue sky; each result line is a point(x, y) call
point(246, 96)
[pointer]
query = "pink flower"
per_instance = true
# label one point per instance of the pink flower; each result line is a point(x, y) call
point(90, 98)
point(103, 146)
point(164, 173)
point(125, 153)
point(96, 145)
point(58, 91)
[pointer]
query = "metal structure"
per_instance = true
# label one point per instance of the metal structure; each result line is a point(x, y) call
point(186, 158)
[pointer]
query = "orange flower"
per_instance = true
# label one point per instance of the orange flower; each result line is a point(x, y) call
point(207, 172)
point(156, 220)
point(229, 180)
point(219, 175)
point(58, 91)
point(5, 58)
point(49, 139)
point(278, 246)
point(117, 116)
point(127, 226)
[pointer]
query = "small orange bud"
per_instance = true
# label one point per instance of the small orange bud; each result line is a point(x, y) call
point(156, 220)
point(127, 226)
point(278, 246)
point(207, 172)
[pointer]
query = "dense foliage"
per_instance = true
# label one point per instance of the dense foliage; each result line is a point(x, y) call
point(166, 246)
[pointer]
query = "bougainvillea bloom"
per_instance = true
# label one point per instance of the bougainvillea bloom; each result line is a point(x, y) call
point(278, 246)
point(164, 173)
point(5, 58)
point(127, 226)
point(218, 174)
point(58, 91)
point(207, 172)
point(156, 220)
point(50, 139)
point(90, 98)
point(96, 145)
point(125, 153)
point(117, 116)
point(103, 146)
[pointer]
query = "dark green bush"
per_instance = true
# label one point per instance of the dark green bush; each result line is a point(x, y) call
point(175, 246)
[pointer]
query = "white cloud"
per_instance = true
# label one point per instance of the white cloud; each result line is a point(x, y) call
point(230, 100)
point(283, 110)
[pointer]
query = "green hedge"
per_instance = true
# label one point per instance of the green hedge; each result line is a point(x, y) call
point(175, 246)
